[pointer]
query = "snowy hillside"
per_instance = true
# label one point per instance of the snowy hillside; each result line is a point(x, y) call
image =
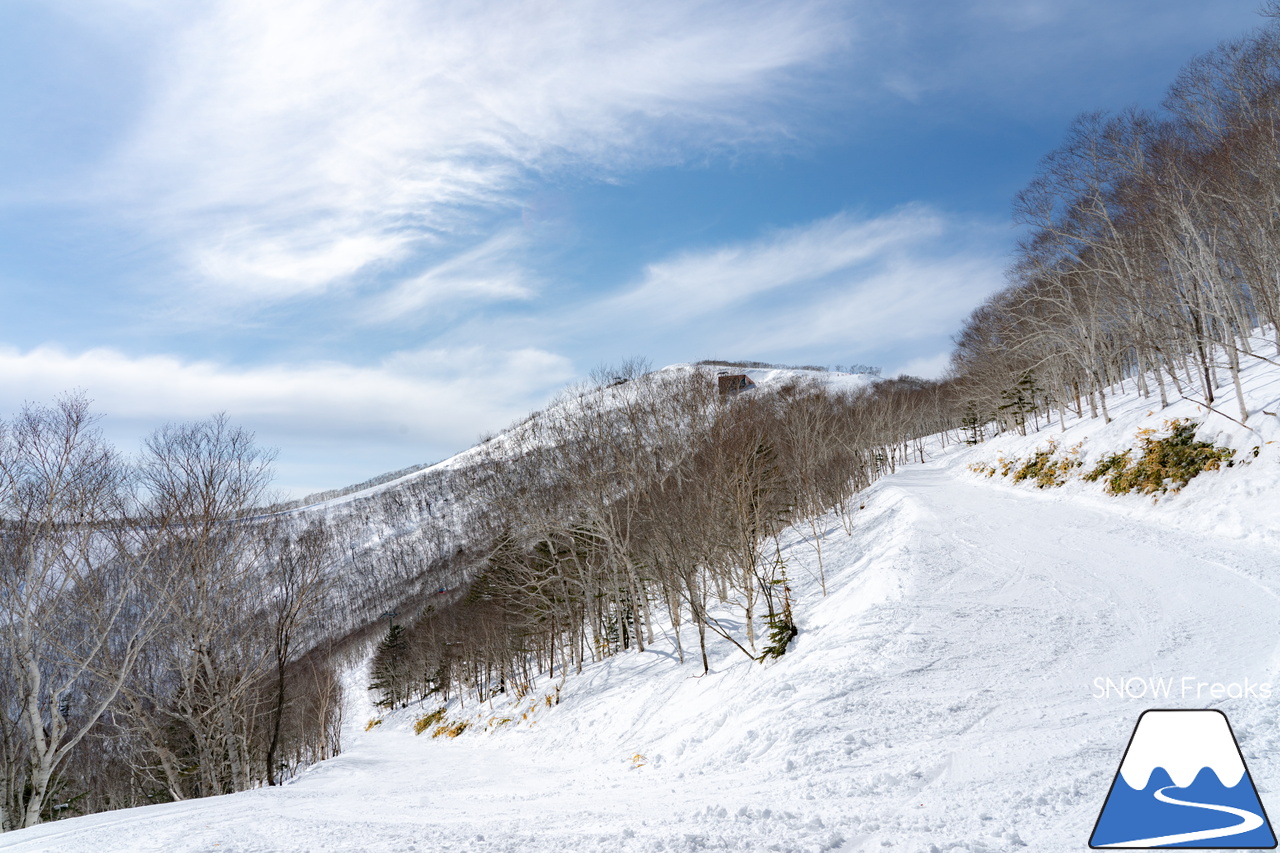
point(968, 683)
point(765, 378)
point(408, 537)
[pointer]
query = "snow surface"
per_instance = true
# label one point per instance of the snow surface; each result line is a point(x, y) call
point(952, 692)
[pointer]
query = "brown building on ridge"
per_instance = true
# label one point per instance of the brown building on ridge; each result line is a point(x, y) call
point(734, 383)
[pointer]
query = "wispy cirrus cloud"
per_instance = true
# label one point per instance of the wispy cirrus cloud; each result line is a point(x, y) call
point(1028, 55)
point(711, 281)
point(902, 300)
point(845, 288)
point(490, 271)
point(288, 146)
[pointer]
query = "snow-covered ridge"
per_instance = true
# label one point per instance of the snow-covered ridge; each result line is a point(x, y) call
point(764, 378)
point(410, 536)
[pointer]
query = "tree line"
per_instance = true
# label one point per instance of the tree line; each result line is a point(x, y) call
point(1151, 255)
point(157, 641)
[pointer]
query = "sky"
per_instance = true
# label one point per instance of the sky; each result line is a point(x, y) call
point(372, 231)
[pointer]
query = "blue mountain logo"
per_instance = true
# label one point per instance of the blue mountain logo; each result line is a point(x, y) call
point(1183, 783)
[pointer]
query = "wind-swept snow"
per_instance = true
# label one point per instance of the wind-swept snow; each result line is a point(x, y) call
point(943, 697)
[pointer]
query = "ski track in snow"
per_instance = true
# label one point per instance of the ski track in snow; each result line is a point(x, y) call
point(940, 698)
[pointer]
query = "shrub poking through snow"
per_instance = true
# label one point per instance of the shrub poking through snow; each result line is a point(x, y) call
point(1165, 464)
point(1006, 464)
point(450, 731)
point(1109, 465)
point(433, 719)
point(1046, 469)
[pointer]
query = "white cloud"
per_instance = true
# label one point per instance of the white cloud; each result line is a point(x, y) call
point(291, 144)
point(411, 406)
point(843, 288)
point(712, 281)
point(488, 272)
point(864, 283)
point(907, 298)
point(250, 265)
point(925, 367)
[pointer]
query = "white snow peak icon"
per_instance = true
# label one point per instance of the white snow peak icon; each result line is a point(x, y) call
point(1183, 783)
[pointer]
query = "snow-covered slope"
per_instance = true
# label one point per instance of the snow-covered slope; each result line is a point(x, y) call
point(765, 378)
point(968, 684)
point(404, 539)
point(1243, 505)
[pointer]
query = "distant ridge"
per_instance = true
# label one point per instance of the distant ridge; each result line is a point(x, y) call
point(343, 491)
point(864, 369)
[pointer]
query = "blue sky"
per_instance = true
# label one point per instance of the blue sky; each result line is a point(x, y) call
point(372, 230)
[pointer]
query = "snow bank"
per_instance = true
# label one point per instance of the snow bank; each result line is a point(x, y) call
point(1244, 504)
